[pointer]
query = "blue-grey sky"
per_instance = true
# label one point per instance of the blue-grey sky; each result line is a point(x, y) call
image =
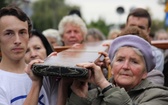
point(106, 9)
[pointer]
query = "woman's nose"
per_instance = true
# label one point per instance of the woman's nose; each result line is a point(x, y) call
point(126, 65)
point(33, 54)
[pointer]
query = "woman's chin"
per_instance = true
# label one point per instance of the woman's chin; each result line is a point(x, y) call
point(124, 81)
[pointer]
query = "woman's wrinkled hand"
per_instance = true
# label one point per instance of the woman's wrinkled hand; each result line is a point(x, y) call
point(96, 75)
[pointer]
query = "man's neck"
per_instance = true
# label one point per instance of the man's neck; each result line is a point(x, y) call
point(15, 66)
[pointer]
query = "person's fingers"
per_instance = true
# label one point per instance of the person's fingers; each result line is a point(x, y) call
point(107, 60)
point(53, 54)
point(106, 44)
point(74, 85)
point(76, 45)
point(87, 65)
point(28, 67)
point(105, 54)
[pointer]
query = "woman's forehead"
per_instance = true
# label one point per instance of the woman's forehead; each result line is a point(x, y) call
point(127, 50)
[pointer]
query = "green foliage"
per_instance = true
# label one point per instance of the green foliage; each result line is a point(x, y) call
point(157, 24)
point(48, 13)
point(2, 3)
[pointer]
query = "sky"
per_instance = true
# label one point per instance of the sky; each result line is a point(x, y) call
point(92, 10)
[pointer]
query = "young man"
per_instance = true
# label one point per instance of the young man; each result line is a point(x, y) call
point(16, 87)
point(141, 18)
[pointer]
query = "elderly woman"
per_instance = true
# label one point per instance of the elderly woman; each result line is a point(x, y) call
point(131, 59)
point(72, 30)
point(52, 36)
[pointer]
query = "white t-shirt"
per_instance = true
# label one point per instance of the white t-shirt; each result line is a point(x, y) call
point(15, 87)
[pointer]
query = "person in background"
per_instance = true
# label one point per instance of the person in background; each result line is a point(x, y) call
point(151, 35)
point(94, 35)
point(161, 35)
point(141, 18)
point(134, 30)
point(113, 33)
point(131, 59)
point(75, 11)
point(72, 30)
point(16, 86)
point(52, 36)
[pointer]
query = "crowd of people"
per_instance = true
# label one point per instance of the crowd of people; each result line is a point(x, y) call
point(139, 69)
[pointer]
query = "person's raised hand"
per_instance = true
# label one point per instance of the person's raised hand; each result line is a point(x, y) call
point(53, 54)
point(80, 88)
point(96, 75)
point(28, 70)
point(103, 61)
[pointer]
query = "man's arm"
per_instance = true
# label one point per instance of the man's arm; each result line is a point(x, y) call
point(32, 97)
point(63, 88)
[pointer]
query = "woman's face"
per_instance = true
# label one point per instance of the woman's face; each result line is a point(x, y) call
point(72, 35)
point(128, 68)
point(36, 49)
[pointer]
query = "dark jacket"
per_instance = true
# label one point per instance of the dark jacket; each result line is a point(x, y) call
point(146, 93)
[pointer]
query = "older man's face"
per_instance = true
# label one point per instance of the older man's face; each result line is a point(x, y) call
point(128, 68)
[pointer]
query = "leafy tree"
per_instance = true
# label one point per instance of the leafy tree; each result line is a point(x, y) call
point(2, 3)
point(157, 24)
point(15, 2)
point(48, 13)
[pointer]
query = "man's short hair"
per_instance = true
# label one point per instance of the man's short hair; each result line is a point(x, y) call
point(140, 12)
point(13, 10)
